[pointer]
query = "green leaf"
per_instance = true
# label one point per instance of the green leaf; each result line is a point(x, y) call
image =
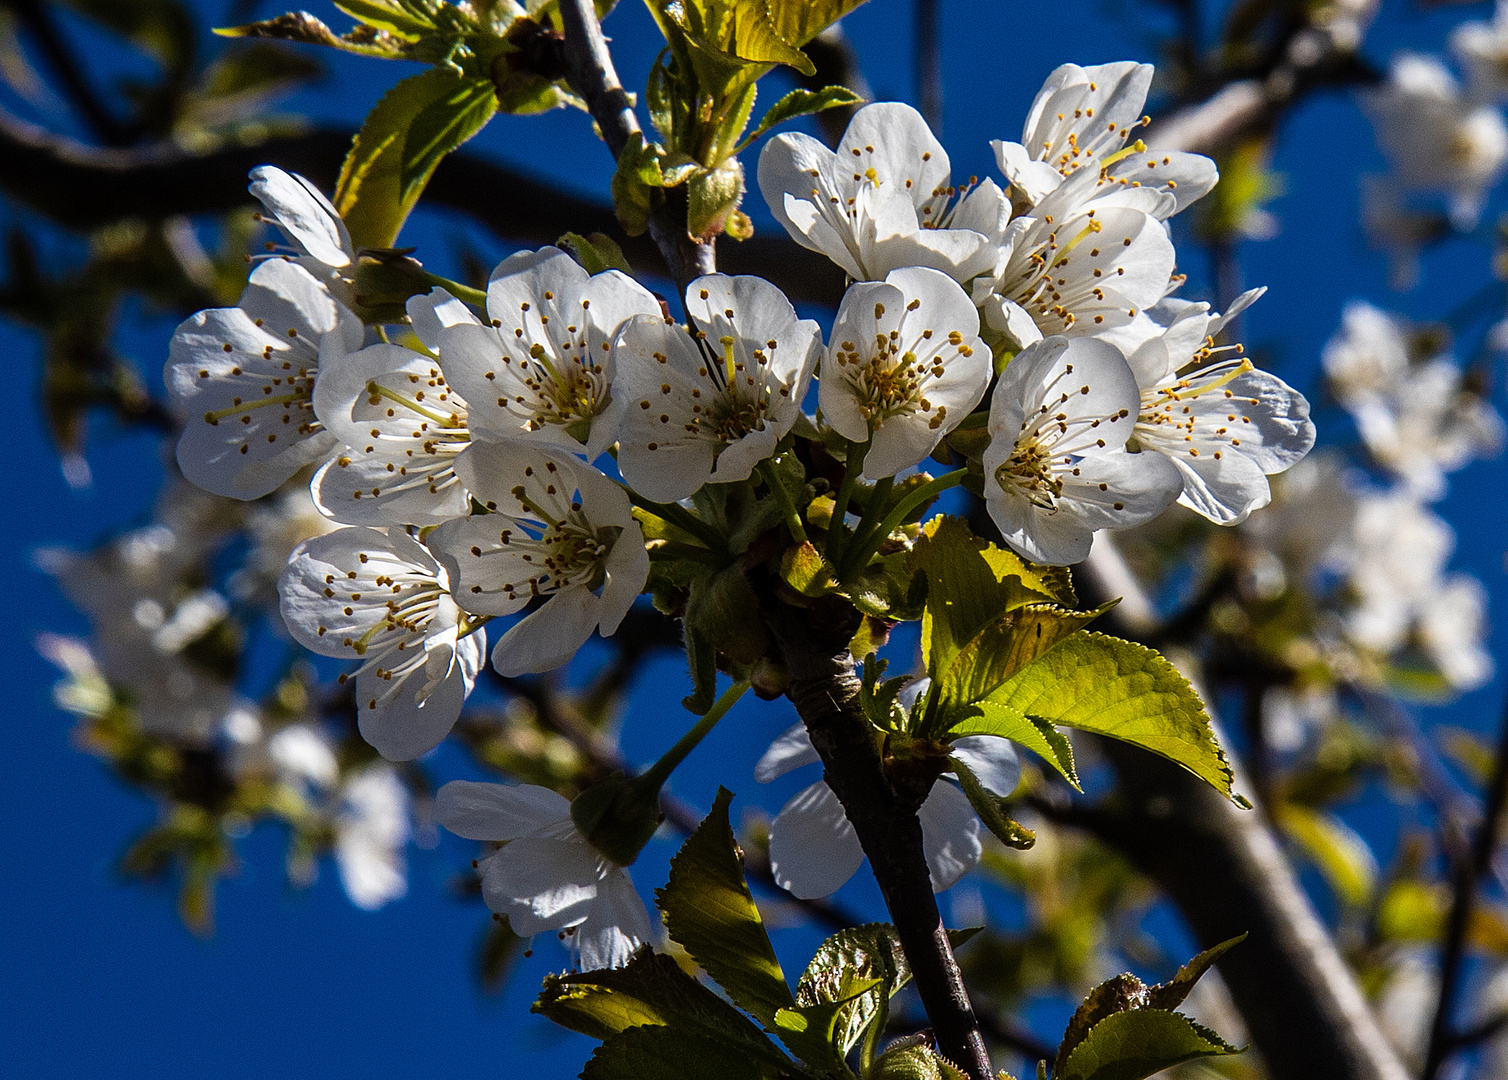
point(815, 1033)
point(394, 16)
point(1122, 690)
point(439, 128)
point(383, 175)
point(596, 254)
point(1139, 1043)
point(802, 103)
point(709, 912)
point(1170, 995)
point(991, 809)
point(1034, 733)
point(970, 584)
point(804, 569)
point(664, 1053)
point(1006, 646)
point(1339, 853)
point(653, 991)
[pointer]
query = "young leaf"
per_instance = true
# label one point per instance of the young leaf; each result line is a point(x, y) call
point(709, 912)
point(991, 809)
point(818, 1033)
point(383, 176)
point(1139, 1043)
point(394, 17)
point(1170, 995)
point(801, 103)
point(664, 1053)
point(970, 584)
point(1342, 856)
point(1034, 733)
point(1006, 646)
point(1126, 691)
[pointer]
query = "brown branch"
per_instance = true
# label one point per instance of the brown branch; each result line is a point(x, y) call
point(85, 187)
point(1466, 873)
point(1227, 873)
point(882, 809)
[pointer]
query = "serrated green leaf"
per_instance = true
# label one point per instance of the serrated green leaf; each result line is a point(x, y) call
point(1136, 1044)
point(800, 103)
point(390, 15)
point(662, 1053)
point(970, 584)
point(1034, 733)
point(1339, 853)
point(1170, 995)
point(710, 913)
point(1125, 691)
point(815, 1033)
point(991, 809)
point(652, 991)
point(382, 177)
point(1007, 645)
point(441, 127)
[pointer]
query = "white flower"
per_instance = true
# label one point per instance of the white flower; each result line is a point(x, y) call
point(1452, 629)
point(813, 847)
point(1399, 552)
point(1482, 49)
point(381, 598)
point(558, 528)
point(544, 370)
point(1081, 263)
point(904, 367)
point(881, 201)
point(1084, 117)
point(546, 876)
point(1435, 138)
point(371, 830)
point(320, 240)
point(1417, 420)
point(708, 405)
point(1056, 469)
point(242, 380)
point(402, 426)
point(1225, 425)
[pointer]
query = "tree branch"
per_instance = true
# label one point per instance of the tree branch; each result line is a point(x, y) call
point(882, 809)
point(1227, 873)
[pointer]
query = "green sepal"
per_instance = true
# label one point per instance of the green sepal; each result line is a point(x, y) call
point(991, 809)
point(710, 913)
point(701, 657)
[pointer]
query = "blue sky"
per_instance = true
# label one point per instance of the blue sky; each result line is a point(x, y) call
point(300, 984)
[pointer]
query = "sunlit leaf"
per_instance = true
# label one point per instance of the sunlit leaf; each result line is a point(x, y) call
point(1140, 1043)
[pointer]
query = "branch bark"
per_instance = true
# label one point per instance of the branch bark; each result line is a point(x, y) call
point(882, 809)
point(1227, 873)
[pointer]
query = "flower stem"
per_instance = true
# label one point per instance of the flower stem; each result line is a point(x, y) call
point(660, 771)
point(858, 558)
point(474, 297)
point(783, 497)
point(837, 530)
point(680, 517)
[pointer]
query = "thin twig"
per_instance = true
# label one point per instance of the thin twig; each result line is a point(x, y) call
point(929, 83)
point(1466, 873)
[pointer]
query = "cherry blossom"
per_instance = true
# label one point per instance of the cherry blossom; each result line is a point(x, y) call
point(883, 200)
point(708, 404)
point(1056, 469)
point(904, 368)
point(557, 528)
point(546, 876)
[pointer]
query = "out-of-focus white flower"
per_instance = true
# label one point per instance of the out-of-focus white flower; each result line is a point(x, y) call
point(1453, 629)
point(85, 692)
point(1482, 49)
point(905, 366)
point(1308, 526)
point(371, 831)
point(708, 405)
point(546, 876)
point(1407, 1004)
point(242, 380)
point(1082, 118)
point(1082, 263)
point(1289, 714)
point(303, 754)
point(1417, 420)
point(382, 598)
point(882, 200)
point(543, 369)
point(557, 528)
point(1400, 549)
point(1435, 137)
point(1056, 469)
point(1226, 425)
point(813, 848)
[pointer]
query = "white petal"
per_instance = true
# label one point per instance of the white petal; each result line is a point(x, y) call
point(950, 835)
point(431, 312)
point(480, 811)
point(547, 638)
point(813, 849)
point(304, 213)
point(791, 750)
point(616, 925)
point(992, 759)
point(542, 882)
